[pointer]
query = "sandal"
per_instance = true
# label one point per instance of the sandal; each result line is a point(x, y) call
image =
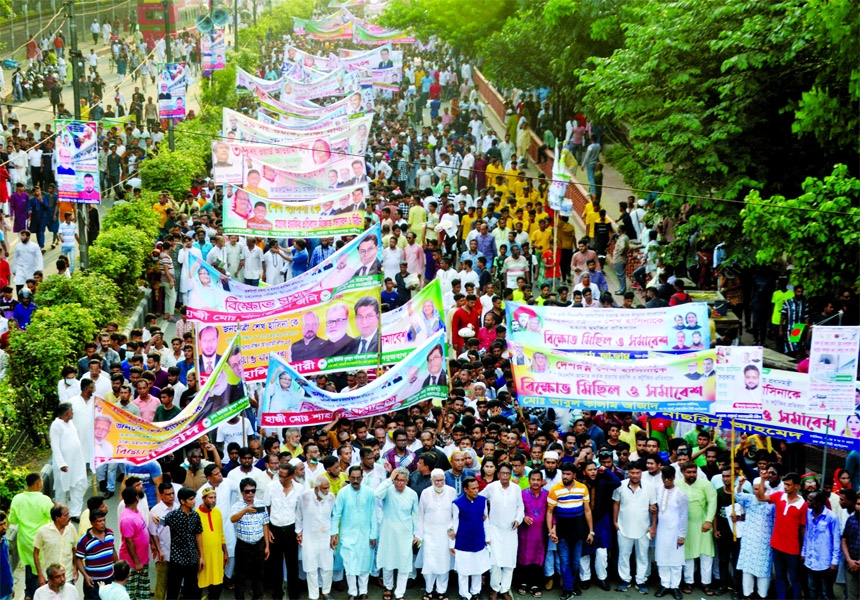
point(521, 591)
point(708, 591)
point(428, 597)
point(387, 595)
point(687, 589)
point(536, 593)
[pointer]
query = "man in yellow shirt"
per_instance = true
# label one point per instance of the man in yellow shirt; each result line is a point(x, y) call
point(494, 170)
point(541, 238)
point(512, 174)
point(519, 218)
point(466, 223)
point(417, 218)
point(566, 235)
point(519, 184)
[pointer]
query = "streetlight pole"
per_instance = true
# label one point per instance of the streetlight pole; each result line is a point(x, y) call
point(77, 59)
point(166, 5)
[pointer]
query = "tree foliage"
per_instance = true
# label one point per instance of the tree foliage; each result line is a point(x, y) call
point(120, 255)
point(818, 231)
point(133, 213)
point(462, 24)
point(90, 289)
point(171, 171)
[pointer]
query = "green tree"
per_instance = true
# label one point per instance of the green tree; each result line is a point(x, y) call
point(171, 171)
point(120, 254)
point(819, 231)
point(93, 290)
point(462, 24)
point(133, 213)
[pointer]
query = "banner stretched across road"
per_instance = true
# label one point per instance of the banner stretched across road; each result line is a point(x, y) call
point(248, 214)
point(553, 379)
point(674, 329)
point(237, 127)
point(120, 436)
point(291, 400)
point(346, 173)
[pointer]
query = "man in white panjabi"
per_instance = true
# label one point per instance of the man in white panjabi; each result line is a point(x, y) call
point(671, 534)
point(313, 528)
point(70, 471)
point(471, 557)
point(506, 514)
point(434, 521)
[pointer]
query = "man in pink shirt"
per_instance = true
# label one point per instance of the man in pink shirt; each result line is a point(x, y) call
point(414, 256)
point(134, 547)
point(145, 402)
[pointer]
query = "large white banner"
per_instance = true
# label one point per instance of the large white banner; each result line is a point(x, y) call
point(833, 368)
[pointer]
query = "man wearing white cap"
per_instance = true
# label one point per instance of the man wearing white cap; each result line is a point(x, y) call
point(465, 196)
point(380, 166)
point(226, 494)
point(467, 167)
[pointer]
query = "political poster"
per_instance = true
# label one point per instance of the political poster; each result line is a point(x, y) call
point(738, 373)
point(553, 379)
point(245, 213)
point(378, 58)
point(246, 83)
point(237, 127)
point(120, 436)
point(363, 35)
point(291, 400)
point(216, 298)
point(680, 328)
point(335, 83)
point(213, 51)
point(387, 79)
point(119, 122)
point(171, 84)
point(77, 161)
point(832, 368)
point(263, 179)
point(338, 331)
point(298, 72)
point(784, 393)
point(310, 61)
point(315, 32)
point(355, 105)
point(410, 325)
point(328, 22)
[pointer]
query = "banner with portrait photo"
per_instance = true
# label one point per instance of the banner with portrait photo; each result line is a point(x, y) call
point(336, 83)
point(213, 51)
point(120, 436)
point(291, 400)
point(409, 326)
point(337, 332)
point(248, 214)
point(567, 380)
point(309, 61)
point(171, 85)
point(353, 106)
point(833, 369)
point(246, 83)
point(215, 298)
point(739, 390)
point(237, 127)
point(298, 72)
point(680, 328)
point(362, 35)
point(77, 161)
point(784, 393)
point(378, 58)
point(347, 173)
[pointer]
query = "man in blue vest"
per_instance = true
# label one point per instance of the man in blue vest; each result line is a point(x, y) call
point(471, 558)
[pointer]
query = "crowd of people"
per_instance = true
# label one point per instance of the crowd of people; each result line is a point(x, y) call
point(511, 499)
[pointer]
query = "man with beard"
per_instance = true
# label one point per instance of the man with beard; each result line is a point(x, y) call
point(671, 534)
point(434, 522)
point(314, 518)
point(702, 507)
point(397, 532)
point(337, 321)
point(212, 546)
point(311, 346)
point(354, 531)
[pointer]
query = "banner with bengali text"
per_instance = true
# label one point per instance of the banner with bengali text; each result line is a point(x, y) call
point(171, 85)
point(310, 61)
point(673, 329)
point(238, 127)
point(213, 51)
point(336, 83)
point(246, 83)
point(409, 326)
point(833, 368)
point(345, 173)
point(77, 161)
point(248, 214)
point(362, 35)
point(120, 436)
point(292, 400)
point(566, 380)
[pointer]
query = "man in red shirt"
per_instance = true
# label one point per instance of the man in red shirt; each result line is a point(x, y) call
point(787, 538)
point(470, 314)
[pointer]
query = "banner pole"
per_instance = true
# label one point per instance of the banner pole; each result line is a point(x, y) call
point(555, 249)
point(734, 527)
point(826, 444)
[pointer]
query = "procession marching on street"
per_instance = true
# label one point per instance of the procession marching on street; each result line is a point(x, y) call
point(383, 353)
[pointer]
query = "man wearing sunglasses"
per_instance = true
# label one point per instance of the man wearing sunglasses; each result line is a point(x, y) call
point(251, 521)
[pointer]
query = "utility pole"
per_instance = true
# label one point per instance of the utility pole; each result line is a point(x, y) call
point(235, 25)
point(166, 5)
point(77, 59)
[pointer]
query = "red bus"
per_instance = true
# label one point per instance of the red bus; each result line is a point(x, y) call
point(183, 16)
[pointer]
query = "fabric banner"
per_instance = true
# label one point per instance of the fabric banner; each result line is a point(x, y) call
point(784, 393)
point(676, 328)
point(353, 106)
point(313, 30)
point(336, 83)
point(215, 298)
point(238, 127)
point(246, 83)
point(171, 84)
point(310, 61)
point(565, 380)
point(298, 72)
point(387, 79)
point(328, 22)
point(119, 122)
point(77, 161)
point(249, 214)
point(122, 437)
point(323, 332)
point(290, 399)
point(410, 325)
point(268, 181)
point(361, 35)
point(213, 51)
point(833, 367)
point(738, 371)
point(378, 58)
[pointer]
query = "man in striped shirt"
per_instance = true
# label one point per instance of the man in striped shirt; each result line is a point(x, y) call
point(95, 555)
point(568, 518)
